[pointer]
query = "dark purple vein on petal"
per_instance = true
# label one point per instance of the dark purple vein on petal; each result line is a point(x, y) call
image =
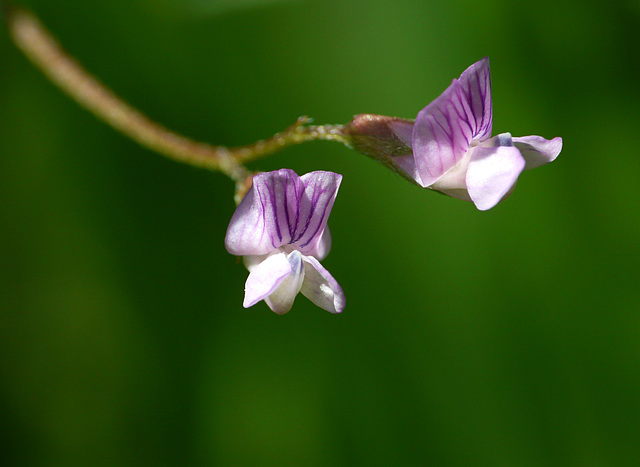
point(264, 217)
point(274, 207)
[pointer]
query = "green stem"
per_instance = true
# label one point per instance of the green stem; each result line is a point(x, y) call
point(31, 37)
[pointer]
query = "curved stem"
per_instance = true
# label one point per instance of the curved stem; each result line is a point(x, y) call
point(31, 37)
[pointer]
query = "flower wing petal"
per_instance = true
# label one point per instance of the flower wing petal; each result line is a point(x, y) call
point(265, 277)
point(492, 173)
point(320, 190)
point(444, 128)
point(320, 287)
point(265, 218)
point(282, 298)
point(537, 150)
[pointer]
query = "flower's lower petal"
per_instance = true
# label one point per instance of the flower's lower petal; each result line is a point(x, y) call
point(265, 277)
point(456, 178)
point(320, 287)
point(537, 150)
point(281, 299)
point(492, 173)
point(458, 193)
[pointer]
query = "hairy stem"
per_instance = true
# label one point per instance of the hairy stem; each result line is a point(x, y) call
point(43, 50)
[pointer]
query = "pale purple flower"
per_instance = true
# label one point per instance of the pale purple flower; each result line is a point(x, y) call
point(280, 228)
point(452, 148)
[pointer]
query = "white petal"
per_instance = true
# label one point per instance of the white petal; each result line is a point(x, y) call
point(264, 277)
point(320, 287)
point(538, 151)
point(454, 182)
point(282, 298)
point(493, 172)
point(456, 178)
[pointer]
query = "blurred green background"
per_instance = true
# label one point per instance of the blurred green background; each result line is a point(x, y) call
point(508, 337)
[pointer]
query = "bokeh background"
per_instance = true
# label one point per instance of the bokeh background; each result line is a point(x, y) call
point(509, 337)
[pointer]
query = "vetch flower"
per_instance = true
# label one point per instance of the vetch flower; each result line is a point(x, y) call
point(449, 147)
point(280, 228)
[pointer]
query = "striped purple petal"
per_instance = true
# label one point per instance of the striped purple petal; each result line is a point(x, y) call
point(321, 189)
point(259, 224)
point(281, 209)
point(444, 129)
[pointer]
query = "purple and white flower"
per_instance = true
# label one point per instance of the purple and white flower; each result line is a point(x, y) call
point(453, 151)
point(449, 147)
point(280, 228)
